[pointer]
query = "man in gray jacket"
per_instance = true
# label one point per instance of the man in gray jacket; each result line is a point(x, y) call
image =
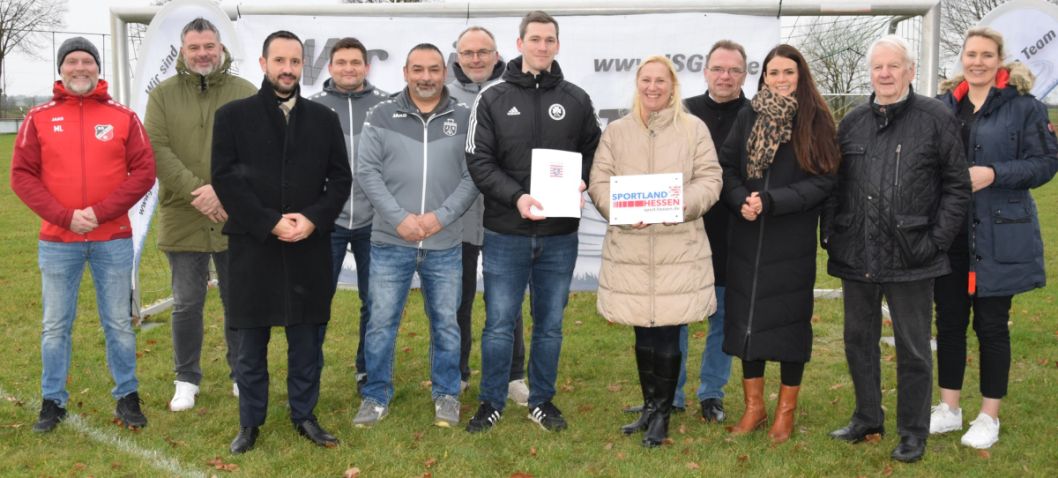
point(349, 94)
point(412, 168)
point(480, 66)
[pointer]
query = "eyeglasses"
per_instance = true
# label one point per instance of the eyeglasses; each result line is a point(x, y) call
point(469, 54)
point(716, 70)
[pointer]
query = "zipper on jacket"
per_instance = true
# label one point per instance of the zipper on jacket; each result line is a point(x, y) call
point(84, 163)
point(352, 166)
point(538, 120)
point(425, 162)
point(650, 232)
point(896, 179)
point(756, 268)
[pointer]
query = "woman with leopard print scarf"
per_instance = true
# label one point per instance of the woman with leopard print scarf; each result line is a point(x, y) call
point(779, 163)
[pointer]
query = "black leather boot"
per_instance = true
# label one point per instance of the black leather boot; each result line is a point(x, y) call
point(645, 365)
point(666, 376)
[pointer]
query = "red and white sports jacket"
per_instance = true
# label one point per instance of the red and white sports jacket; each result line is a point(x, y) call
point(76, 152)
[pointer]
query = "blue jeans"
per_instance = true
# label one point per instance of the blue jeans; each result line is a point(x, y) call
point(360, 240)
point(510, 263)
point(61, 268)
point(716, 365)
point(440, 274)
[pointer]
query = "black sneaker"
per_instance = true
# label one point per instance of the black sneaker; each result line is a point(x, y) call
point(485, 418)
point(50, 416)
point(548, 416)
point(128, 411)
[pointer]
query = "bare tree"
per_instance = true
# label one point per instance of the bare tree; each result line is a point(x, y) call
point(836, 50)
point(23, 21)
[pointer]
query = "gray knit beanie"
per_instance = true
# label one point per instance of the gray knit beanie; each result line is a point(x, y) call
point(77, 44)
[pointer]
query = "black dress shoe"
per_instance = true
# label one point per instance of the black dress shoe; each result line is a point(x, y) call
point(910, 449)
point(855, 433)
point(312, 430)
point(245, 440)
point(713, 410)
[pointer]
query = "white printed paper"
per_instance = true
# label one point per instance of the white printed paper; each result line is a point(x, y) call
point(646, 198)
point(555, 183)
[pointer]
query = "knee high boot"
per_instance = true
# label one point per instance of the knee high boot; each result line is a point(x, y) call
point(666, 376)
point(784, 414)
point(645, 365)
point(755, 415)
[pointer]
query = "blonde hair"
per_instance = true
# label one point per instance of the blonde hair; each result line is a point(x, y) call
point(989, 33)
point(674, 101)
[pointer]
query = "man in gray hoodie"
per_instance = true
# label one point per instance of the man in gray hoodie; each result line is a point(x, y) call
point(479, 66)
point(350, 95)
point(412, 168)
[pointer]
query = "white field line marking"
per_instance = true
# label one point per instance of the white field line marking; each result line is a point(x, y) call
point(154, 458)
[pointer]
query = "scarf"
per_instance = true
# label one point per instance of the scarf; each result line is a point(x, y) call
point(774, 126)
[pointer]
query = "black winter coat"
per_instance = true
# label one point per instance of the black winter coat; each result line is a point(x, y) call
point(508, 120)
point(903, 191)
point(719, 117)
point(264, 167)
point(771, 263)
point(1011, 134)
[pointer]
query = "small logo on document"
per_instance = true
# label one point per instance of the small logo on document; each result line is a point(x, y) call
point(556, 112)
point(449, 127)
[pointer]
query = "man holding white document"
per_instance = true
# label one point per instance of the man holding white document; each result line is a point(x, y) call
point(531, 143)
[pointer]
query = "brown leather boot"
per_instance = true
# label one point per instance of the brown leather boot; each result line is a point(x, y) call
point(782, 427)
point(755, 416)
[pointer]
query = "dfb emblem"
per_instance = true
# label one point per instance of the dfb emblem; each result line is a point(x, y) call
point(104, 132)
point(556, 112)
point(449, 128)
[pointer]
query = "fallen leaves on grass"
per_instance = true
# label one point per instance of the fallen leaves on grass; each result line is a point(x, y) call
point(201, 411)
point(608, 446)
point(430, 462)
point(568, 385)
point(219, 464)
point(837, 386)
point(984, 454)
point(816, 318)
point(425, 384)
point(743, 458)
point(416, 436)
point(701, 334)
point(614, 387)
point(693, 466)
point(682, 429)
point(521, 474)
point(532, 451)
point(352, 472)
point(174, 443)
point(873, 438)
point(888, 470)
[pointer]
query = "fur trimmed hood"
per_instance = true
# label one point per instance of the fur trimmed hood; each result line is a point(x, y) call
point(1017, 75)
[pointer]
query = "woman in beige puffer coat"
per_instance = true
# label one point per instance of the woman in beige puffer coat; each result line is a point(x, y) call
point(657, 277)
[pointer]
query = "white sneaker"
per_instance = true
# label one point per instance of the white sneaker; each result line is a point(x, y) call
point(235, 390)
point(983, 432)
point(184, 397)
point(943, 419)
point(518, 392)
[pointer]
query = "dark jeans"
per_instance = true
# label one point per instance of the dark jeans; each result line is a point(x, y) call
point(910, 308)
point(464, 316)
point(303, 372)
point(359, 240)
point(190, 276)
point(990, 316)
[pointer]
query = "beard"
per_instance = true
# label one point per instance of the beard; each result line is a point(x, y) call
point(427, 91)
point(281, 88)
point(81, 87)
point(206, 70)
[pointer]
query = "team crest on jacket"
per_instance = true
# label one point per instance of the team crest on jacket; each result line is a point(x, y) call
point(449, 127)
point(556, 112)
point(104, 132)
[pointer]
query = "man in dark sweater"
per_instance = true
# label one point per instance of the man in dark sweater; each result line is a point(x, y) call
point(725, 73)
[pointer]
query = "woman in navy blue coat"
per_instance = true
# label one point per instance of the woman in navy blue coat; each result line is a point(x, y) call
point(1010, 148)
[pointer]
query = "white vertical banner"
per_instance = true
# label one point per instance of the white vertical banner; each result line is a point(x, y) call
point(156, 62)
point(1028, 28)
point(599, 53)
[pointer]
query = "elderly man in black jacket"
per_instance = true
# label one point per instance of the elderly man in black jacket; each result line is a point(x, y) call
point(281, 170)
point(902, 195)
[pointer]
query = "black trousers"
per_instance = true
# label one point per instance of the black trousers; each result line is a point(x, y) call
point(909, 307)
point(990, 317)
point(464, 316)
point(304, 343)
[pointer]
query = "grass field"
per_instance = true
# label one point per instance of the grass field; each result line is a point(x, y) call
point(596, 379)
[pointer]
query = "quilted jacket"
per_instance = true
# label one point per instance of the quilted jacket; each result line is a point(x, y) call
point(903, 192)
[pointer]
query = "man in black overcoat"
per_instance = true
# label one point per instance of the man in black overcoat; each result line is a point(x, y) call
point(281, 170)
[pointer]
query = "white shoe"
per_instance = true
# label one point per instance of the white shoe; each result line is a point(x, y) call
point(184, 397)
point(983, 432)
point(235, 390)
point(943, 419)
point(518, 392)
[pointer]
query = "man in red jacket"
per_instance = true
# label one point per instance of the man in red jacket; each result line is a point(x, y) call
point(80, 162)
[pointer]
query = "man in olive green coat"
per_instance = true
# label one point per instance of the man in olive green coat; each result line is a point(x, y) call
point(179, 122)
